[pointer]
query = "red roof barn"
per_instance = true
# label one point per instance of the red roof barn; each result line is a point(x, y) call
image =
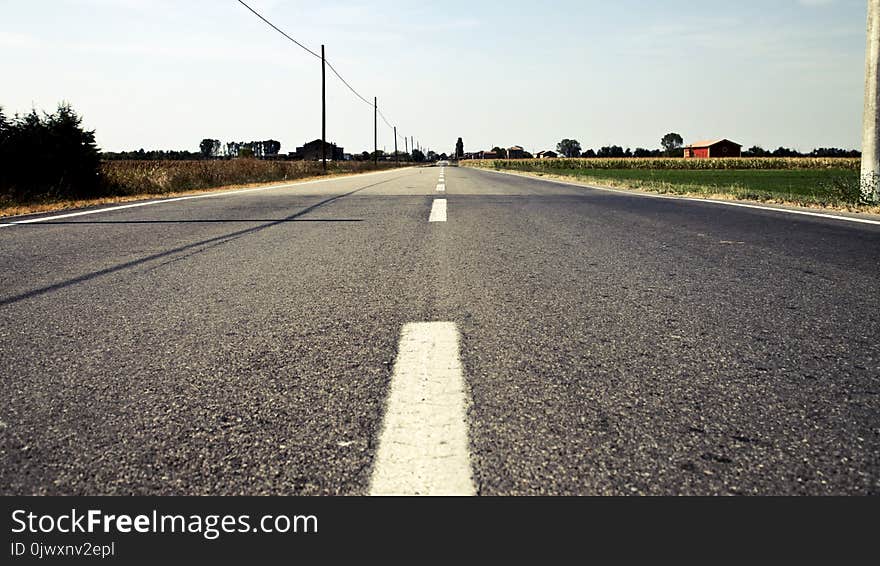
point(713, 148)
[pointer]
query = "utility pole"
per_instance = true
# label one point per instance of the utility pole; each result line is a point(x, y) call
point(871, 127)
point(406, 145)
point(396, 156)
point(323, 109)
point(376, 129)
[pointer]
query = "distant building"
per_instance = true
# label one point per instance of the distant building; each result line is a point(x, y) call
point(312, 151)
point(712, 148)
point(546, 155)
point(489, 155)
point(515, 152)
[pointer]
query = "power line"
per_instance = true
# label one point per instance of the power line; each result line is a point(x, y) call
point(270, 24)
point(345, 82)
point(329, 65)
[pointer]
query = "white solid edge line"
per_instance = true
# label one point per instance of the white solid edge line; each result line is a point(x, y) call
point(4, 224)
point(694, 199)
point(423, 446)
point(438, 211)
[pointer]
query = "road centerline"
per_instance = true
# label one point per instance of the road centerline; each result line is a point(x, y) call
point(438, 211)
point(423, 447)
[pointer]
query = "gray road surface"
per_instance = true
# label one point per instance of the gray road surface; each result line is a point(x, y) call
point(611, 343)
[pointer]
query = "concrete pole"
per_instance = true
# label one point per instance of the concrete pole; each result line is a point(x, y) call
point(323, 110)
point(870, 182)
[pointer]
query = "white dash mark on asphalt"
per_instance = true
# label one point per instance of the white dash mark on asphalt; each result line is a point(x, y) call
point(441, 187)
point(438, 211)
point(423, 447)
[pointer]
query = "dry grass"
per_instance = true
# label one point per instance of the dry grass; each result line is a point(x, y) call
point(162, 177)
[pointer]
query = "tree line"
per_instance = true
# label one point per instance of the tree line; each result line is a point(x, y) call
point(208, 149)
point(214, 148)
point(673, 146)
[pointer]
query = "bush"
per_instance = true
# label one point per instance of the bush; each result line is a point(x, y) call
point(48, 157)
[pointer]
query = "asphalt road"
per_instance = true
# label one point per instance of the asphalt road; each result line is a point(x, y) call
point(609, 343)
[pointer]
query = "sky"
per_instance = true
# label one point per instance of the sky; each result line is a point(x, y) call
point(164, 74)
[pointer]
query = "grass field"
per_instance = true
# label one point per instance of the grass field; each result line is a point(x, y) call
point(825, 182)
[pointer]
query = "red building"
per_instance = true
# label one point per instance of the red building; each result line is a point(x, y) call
point(712, 148)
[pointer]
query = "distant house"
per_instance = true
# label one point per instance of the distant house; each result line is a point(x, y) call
point(312, 151)
point(712, 148)
point(515, 152)
point(489, 155)
point(546, 155)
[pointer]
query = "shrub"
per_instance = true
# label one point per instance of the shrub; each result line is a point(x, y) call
point(48, 156)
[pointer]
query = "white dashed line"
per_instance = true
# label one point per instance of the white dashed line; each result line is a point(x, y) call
point(438, 211)
point(423, 447)
point(441, 187)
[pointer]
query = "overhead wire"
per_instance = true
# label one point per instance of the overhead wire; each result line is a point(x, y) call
point(329, 65)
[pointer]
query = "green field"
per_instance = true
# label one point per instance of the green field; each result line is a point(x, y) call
point(826, 182)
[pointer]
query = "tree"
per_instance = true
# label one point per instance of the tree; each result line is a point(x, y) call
point(589, 153)
point(569, 148)
point(459, 149)
point(499, 152)
point(785, 152)
point(611, 151)
point(418, 156)
point(834, 152)
point(756, 151)
point(207, 147)
point(49, 156)
point(271, 147)
point(671, 143)
point(4, 124)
